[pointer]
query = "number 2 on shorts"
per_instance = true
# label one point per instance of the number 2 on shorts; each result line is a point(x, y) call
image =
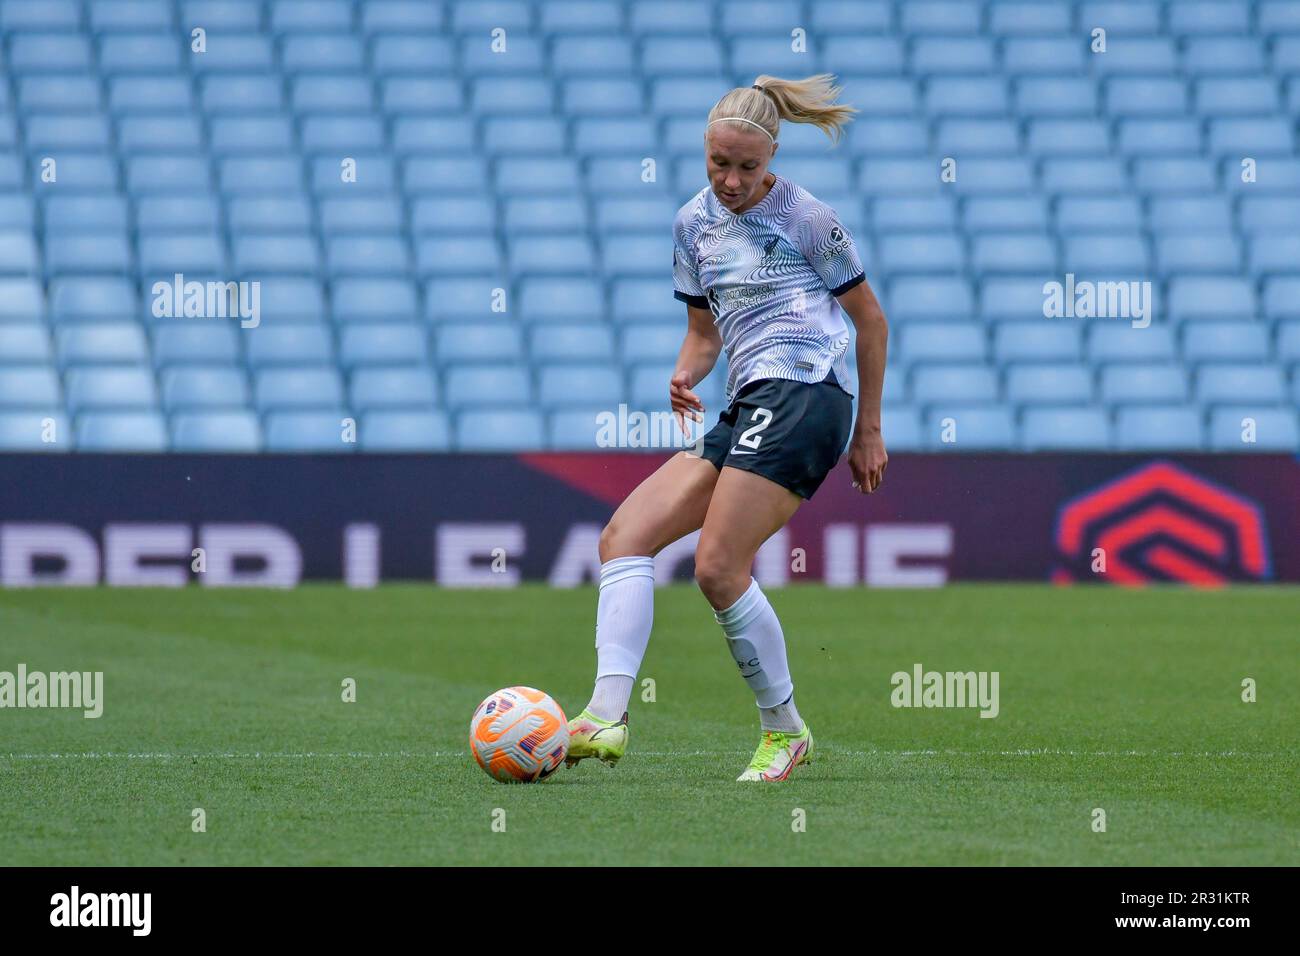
point(750, 437)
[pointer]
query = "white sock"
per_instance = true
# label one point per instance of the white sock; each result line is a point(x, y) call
point(624, 613)
point(758, 648)
point(784, 717)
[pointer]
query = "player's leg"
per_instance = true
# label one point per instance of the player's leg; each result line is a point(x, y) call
point(747, 509)
point(668, 505)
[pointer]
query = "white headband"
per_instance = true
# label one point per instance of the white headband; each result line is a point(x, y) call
point(741, 119)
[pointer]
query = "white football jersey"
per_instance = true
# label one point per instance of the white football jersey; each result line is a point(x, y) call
point(770, 277)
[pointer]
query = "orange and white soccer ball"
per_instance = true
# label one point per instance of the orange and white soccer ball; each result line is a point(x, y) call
point(519, 735)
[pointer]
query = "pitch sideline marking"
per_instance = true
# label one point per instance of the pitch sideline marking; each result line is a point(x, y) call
point(445, 754)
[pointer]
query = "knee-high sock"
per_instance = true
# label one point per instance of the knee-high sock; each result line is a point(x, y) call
point(758, 648)
point(624, 615)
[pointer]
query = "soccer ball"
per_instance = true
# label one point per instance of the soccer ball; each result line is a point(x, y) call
point(519, 735)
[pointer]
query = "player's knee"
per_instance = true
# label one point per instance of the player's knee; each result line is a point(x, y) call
point(617, 542)
point(715, 574)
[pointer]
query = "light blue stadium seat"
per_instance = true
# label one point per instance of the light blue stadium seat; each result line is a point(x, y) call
point(109, 386)
point(473, 214)
point(921, 252)
point(159, 134)
point(291, 298)
point(500, 384)
point(671, 16)
point(1089, 175)
point(312, 432)
point(669, 55)
point(1085, 214)
point(1157, 428)
point(1138, 55)
point(939, 17)
point(240, 53)
point(387, 388)
point(29, 386)
point(386, 343)
point(1055, 136)
point(296, 343)
point(913, 214)
point(1136, 19)
point(581, 429)
point(1187, 175)
point(971, 427)
point(403, 430)
point(880, 96)
point(228, 430)
point(607, 135)
point(1029, 18)
point(1042, 54)
point(52, 15)
point(1159, 137)
point(552, 254)
point(1261, 214)
point(1236, 96)
point(967, 96)
point(277, 253)
point(902, 423)
point(514, 135)
point(140, 431)
point(581, 16)
point(223, 15)
point(930, 297)
point(375, 173)
point(18, 254)
point(968, 137)
point(325, 93)
point(59, 93)
point(245, 135)
point(1275, 429)
point(149, 94)
point(304, 387)
point(942, 342)
point(1288, 345)
point(642, 300)
point(1255, 137)
point(1121, 342)
point(421, 94)
point(1043, 340)
point(24, 343)
point(1278, 16)
point(1048, 384)
point(1281, 297)
point(1145, 96)
point(1013, 253)
point(655, 342)
point(625, 214)
point(368, 255)
point(767, 54)
point(1205, 297)
point(1226, 341)
point(1015, 298)
point(421, 52)
point(573, 343)
point(23, 299)
point(108, 343)
point(953, 383)
point(1188, 214)
point(1056, 96)
point(605, 55)
point(377, 213)
point(500, 430)
point(242, 93)
point(436, 255)
point(195, 253)
point(159, 214)
point(1211, 19)
point(457, 342)
point(1240, 382)
point(204, 386)
point(896, 177)
point(137, 53)
point(17, 212)
point(49, 53)
point(34, 430)
point(87, 252)
point(571, 385)
point(323, 52)
point(1065, 429)
point(1205, 253)
point(888, 136)
point(75, 299)
point(637, 254)
point(550, 299)
point(499, 95)
point(1142, 383)
point(278, 214)
point(1278, 253)
point(1106, 254)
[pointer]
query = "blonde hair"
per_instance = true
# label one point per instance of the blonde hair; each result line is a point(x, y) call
point(772, 99)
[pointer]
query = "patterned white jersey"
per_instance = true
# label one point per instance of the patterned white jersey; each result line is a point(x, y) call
point(770, 277)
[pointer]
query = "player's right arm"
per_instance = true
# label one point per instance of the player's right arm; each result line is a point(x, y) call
point(699, 353)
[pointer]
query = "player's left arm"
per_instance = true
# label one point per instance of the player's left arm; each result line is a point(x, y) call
point(867, 458)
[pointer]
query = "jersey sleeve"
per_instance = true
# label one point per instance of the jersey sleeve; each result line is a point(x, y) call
point(829, 248)
point(686, 274)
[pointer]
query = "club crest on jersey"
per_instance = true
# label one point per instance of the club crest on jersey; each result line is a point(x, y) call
point(769, 250)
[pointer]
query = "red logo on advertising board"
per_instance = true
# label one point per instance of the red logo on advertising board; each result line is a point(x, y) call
point(1162, 523)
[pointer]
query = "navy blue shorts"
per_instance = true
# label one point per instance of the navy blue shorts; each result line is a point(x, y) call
point(792, 433)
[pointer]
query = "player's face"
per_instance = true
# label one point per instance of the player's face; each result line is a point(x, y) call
point(737, 164)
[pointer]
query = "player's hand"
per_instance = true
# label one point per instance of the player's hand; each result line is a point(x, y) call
point(867, 461)
point(685, 402)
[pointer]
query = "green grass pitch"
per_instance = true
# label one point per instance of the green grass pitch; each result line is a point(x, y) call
point(1128, 701)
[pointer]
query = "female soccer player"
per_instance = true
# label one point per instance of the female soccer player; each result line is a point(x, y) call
point(760, 264)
